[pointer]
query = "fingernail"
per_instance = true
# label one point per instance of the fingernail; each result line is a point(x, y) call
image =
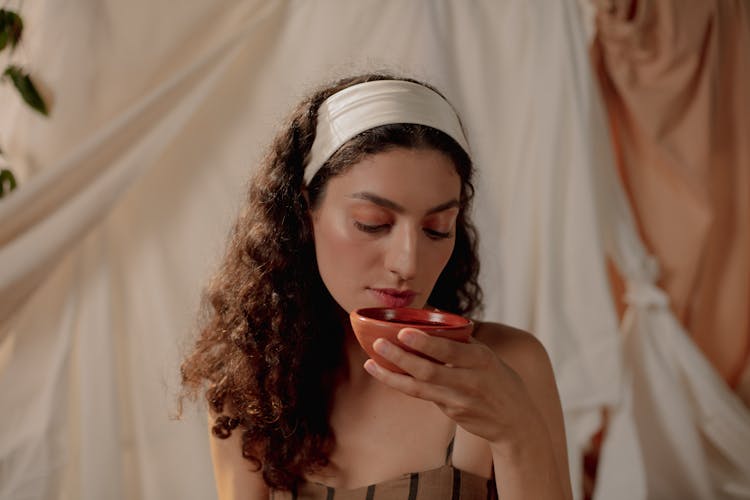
point(407, 337)
point(381, 346)
point(371, 367)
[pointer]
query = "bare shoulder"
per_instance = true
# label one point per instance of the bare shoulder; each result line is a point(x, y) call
point(236, 478)
point(518, 348)
point(528, 358)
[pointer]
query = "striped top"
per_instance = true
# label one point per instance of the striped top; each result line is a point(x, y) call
point(446, 482)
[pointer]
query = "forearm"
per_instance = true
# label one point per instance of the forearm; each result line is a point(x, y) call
point(527, 469)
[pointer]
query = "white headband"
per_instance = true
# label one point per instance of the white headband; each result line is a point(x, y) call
point(371, 104)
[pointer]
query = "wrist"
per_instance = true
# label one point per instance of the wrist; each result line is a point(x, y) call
point(527, 439)
point(525, 464)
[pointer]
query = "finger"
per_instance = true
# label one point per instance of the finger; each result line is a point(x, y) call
point(410, 386)
point(451, 352)
point(416, 366)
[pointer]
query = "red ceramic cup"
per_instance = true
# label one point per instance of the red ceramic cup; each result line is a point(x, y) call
point(372, 323)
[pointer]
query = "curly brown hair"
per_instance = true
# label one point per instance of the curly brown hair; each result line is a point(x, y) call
point(271, 336)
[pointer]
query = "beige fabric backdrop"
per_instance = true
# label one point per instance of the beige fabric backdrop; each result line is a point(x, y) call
point(128, 189)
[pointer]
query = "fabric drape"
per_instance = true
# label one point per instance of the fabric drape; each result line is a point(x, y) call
point(676, 79)
point(128, 190)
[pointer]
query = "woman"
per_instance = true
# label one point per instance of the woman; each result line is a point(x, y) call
point(363, 200)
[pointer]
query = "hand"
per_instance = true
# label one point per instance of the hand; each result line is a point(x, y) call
point(468, 382)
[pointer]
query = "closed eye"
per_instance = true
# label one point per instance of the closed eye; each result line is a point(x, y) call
point(437, 235)
point(368, 228)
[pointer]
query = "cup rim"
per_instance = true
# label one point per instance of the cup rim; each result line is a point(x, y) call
point(461, 322)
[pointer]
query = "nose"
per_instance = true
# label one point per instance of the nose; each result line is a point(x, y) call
point(401, 256)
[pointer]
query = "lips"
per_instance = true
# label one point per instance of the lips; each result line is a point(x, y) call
point(391, 297)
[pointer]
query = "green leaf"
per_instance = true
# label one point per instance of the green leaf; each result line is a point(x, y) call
point(11, 28)
point(3, 30)
point(26, 88)
point(16, 28)
point(6, 177)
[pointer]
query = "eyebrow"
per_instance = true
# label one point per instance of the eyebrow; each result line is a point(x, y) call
point(386, 203)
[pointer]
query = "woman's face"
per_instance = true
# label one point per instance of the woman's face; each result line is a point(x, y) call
point(385, 228)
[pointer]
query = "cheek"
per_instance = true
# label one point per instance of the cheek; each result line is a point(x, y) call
point(342, 254)
point(335, 240)
point(440, 259)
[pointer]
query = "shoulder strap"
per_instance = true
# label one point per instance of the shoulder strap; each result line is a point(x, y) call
point(449, 451)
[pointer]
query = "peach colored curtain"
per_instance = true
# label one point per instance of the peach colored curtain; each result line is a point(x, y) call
point(675, 76)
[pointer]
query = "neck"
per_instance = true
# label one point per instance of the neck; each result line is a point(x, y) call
point(352, 373)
